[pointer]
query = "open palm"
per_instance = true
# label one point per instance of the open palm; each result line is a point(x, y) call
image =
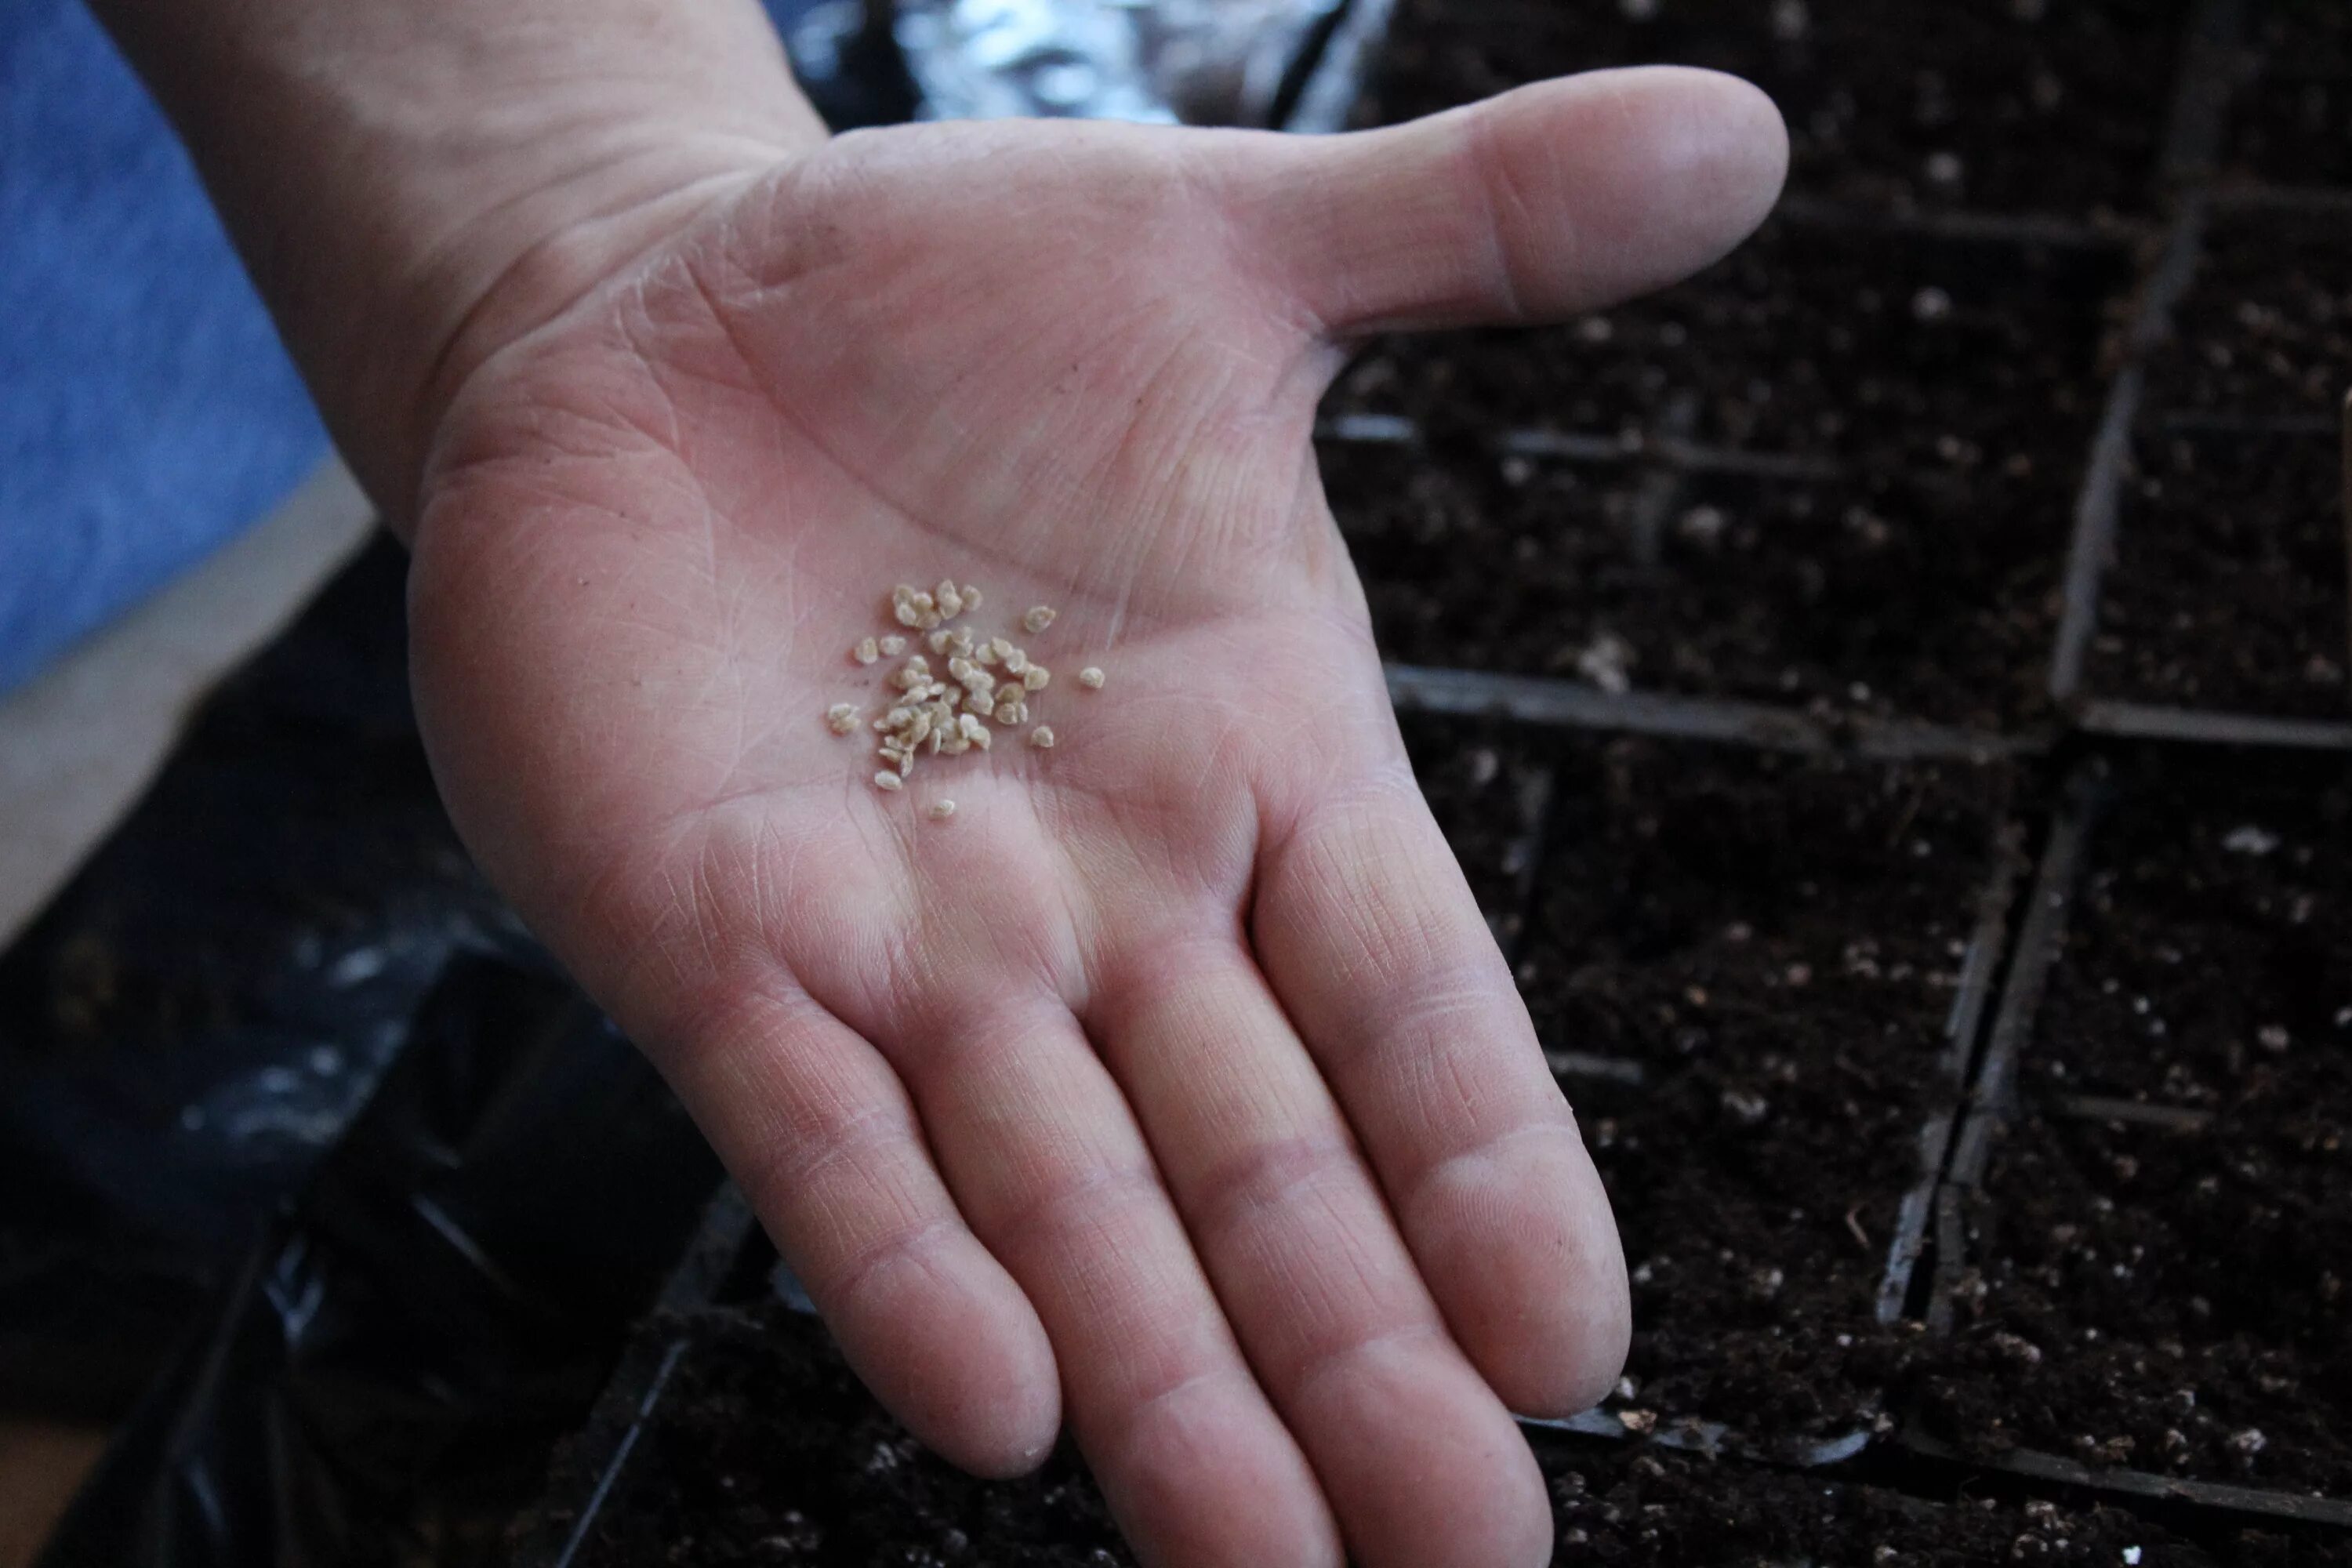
point(1174, 1084)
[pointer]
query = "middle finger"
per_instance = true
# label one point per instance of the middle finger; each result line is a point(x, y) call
point(1417, 1457)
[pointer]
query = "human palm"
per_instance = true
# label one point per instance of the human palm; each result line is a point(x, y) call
point(1173, 1085)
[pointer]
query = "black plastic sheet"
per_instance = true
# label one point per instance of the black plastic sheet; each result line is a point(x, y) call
point(196, 1018)
point(384, 1380)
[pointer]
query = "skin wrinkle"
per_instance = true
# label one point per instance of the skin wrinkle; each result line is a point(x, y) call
point(914, 1245)
point(1504, 214)
point(1335, 1320)
point(1270, 1179)
point(1418, 1184)
point(1343, 1358)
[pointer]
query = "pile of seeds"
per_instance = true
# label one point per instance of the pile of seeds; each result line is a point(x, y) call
point(987, 681)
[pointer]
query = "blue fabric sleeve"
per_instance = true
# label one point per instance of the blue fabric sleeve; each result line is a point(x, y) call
point(147, 410)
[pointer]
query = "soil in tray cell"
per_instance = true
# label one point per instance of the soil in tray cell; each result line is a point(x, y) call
point(1486, 789)
point(766, 1449)
point(1948, 356)
point(1931, 599)
point(2293, 118)
point(2227, 587)
point(2174, 1298)
point(1776, 942)
point(2266, 331)
point(2209, 949)
point(1959, 103)
point(1662, 1508)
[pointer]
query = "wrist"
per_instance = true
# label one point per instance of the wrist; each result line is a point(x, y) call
point(415, 183)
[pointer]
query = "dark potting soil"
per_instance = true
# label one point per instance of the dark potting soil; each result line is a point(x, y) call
point(1928, 599)
point(2214, 919)
point(2173, 1298)
point(1990, 104)
point(2267, 330)
point(1952, 357)
point(2292, 119)
point(1775, 944)
point(1489, 790)
point(764, 1450)
point(2227, 587)
point(1662, 1508)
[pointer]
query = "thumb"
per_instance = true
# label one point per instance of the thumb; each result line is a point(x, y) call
point(1546, 202)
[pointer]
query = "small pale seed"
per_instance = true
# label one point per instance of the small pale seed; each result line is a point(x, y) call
point(841, 717)
point(1017, 661)
point(941, 810)
point(1034, 678)
point(948, 598)
point(893, 645)
point(970, 597)
point(1042, 737)
point(866, 652)
point(938, 641)
point(891, 781)
point(1091, 679)
point(1039, 617)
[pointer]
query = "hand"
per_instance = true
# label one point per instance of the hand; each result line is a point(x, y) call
point(1175, 1085)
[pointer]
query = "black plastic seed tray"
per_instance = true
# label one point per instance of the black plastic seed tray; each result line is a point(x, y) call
point(1835, 473)
point(2144, 1245)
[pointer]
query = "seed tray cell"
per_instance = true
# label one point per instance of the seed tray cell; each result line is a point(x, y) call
point(2264, 336)
point(1773, 952)
point(2227, 590)
point(1879, 349)
point(1960, 106)
point(1922, 598)
point(2155, 1192)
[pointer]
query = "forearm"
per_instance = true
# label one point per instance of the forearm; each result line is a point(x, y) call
point(414, 183)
